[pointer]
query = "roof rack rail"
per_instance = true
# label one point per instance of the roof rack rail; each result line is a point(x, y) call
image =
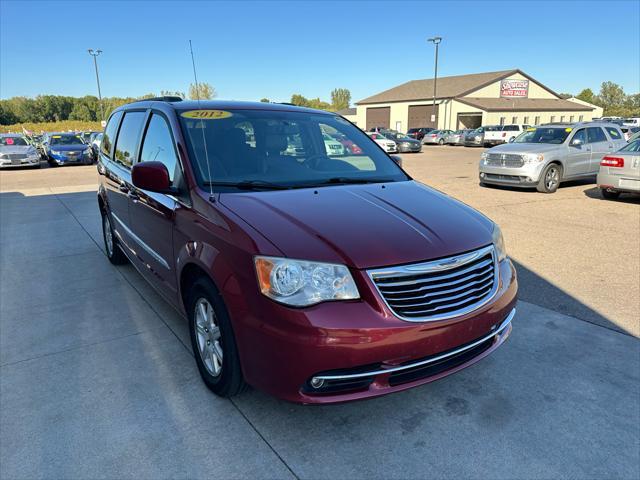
point(166, 98)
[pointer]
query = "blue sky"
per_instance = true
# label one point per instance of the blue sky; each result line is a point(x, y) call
point(250, 50)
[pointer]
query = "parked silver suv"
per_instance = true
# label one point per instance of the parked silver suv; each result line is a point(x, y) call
point(544, 156)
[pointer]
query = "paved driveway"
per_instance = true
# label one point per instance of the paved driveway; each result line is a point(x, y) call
point(97, 378)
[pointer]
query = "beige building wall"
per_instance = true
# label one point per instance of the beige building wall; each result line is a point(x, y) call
point(399, 112)
point(536, 118)
point(493, 90)
point(597, 113)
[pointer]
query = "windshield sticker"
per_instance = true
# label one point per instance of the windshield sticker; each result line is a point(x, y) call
point(207, 114)
point(9, 141)
point(531, 129)
point(56, 136)
point(568, 129)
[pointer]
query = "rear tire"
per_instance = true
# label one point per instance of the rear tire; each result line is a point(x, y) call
point(609, 195)
point(213, 341)
point(114, 254)
point(550, 178)
point(441, 142)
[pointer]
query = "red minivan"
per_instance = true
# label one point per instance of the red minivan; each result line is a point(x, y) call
point(316, 274)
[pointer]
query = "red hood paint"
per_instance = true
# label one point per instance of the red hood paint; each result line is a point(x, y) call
point(363, 226)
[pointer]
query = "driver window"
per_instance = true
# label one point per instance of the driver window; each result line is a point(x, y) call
point(579, 135)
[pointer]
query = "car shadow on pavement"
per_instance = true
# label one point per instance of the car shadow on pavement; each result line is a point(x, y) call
point(594, 192)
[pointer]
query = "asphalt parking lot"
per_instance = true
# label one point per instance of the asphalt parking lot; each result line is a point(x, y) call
point(97, 378)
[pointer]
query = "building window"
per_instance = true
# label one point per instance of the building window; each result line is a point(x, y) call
point(537, 120)
point(502, 120)
point(571, 117)
point(514, 120)
point(526, 120)
point(561, 118)
point(553, 118)
point(581, 118)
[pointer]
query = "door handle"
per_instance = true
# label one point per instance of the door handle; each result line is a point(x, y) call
point(123, 187)
point(133, 195)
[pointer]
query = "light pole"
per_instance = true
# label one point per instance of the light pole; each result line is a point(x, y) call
point(436, 41)
point(94, 54)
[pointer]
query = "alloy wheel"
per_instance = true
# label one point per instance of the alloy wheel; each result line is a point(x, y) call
point(552, 178)
point(208, 336)
point(108, 235)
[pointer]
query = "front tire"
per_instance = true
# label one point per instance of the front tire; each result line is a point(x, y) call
point(441, 142)
point(213, 341)
point(114, 254)
point(609, 194)
point(550, 179)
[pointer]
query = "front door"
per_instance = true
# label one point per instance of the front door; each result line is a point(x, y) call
point(152, 214)
point(579, 155)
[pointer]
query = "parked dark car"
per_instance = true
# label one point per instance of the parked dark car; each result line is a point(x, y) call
point(317, 278)
point(66, 149)
point(474, 138)
point(419, 133)
point(405, 144)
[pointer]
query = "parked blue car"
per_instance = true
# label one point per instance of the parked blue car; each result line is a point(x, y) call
point(67, 149)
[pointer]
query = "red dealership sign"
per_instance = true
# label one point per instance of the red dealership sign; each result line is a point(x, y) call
point(514, 88)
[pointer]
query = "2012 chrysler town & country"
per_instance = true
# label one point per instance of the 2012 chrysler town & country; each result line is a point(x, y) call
point(316, 277)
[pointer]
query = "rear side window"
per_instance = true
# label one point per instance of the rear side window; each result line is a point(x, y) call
point(158, 145)
point(614, 133)
point(128, 138)
point(110, 134)
point(596, 134)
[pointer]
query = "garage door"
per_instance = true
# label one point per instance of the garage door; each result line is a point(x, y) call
point(469, 120)
point(420, 116)
point(378, 117)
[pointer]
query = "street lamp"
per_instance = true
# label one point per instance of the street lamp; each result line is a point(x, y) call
point(94, 54)
point(436, 41)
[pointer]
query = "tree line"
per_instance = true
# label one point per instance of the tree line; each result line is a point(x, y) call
point(58, 108)
point(613, 100)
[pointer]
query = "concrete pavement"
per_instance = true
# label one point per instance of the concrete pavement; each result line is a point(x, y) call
point(97, 379)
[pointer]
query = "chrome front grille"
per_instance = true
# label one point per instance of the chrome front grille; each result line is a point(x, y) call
point(439, 289)
point(15, 156)
point(511, 160)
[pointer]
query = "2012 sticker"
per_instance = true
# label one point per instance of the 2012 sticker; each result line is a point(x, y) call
point(207, 114)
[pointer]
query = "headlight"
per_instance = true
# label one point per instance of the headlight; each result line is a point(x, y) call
point(3, 156)
point(478, 138)
point(55, 152)
point(300, 283)
point(498, 243)
point(484, 156)
point(533, 158)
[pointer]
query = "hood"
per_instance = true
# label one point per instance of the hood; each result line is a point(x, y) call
point(525, 148)
point(363, 226)
point(23, 149)
point(408, 140)
point(78, 147)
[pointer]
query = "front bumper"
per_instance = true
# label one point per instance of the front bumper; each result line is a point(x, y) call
point(80, 159)
point(473, 143)
point(616, 182)
point(431, 140)
point(526, 176)
point(413, 148)
point(282, 348)
point(23, 162)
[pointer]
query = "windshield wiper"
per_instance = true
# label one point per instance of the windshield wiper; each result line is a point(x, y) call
point(249, 185)
point(353, 181)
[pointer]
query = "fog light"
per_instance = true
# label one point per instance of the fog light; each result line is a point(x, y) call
point(482, 175)
point(317, 382)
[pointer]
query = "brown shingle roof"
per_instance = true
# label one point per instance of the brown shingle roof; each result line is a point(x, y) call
point(347, 111)
point(448, 87)
point(524, 104)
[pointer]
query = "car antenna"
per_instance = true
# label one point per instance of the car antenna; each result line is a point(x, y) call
point(204, 138)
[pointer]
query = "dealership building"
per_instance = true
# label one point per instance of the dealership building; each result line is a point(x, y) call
point(469, 101)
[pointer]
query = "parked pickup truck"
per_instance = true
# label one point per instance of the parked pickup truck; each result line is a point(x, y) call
point(502, 133)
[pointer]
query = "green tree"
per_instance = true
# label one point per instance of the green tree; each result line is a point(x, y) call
point(611, 96)
point(265, 100)
point(7, 117)
point(301, 101)
point(81, 112)
point(340, 98)
point(587, 95)
point(204, 91)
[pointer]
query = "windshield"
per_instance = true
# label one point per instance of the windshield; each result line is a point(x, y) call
point(554, 135)
point(281, 149)
point(65, 140)
point(11, 141)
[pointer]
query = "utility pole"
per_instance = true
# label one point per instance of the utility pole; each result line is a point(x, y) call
point(94, 54)
point(436, 41)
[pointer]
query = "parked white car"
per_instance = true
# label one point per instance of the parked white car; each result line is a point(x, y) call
point(503, 134)
point(387, 145)
point(631, 122)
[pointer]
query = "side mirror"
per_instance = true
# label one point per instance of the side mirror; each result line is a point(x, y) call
point(576, 142)
point(152, 176)
point(512, 139)
point(397, 159)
